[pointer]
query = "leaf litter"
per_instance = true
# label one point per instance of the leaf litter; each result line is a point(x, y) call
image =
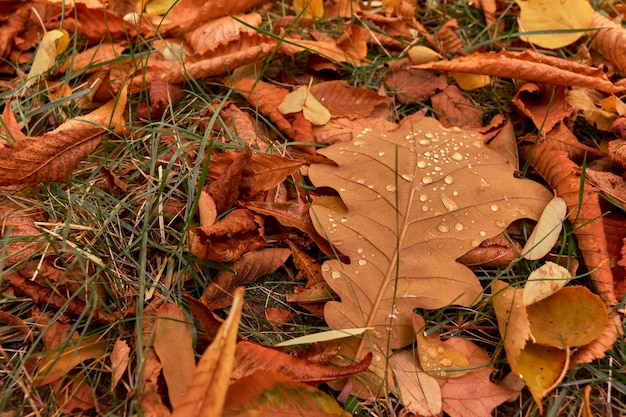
point(382, 210)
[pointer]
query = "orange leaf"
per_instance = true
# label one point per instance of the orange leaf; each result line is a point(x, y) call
point(207, 393)
point(269, 394)
point(529, 66)
point(173, 345)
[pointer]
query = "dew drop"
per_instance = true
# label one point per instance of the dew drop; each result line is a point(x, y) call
point(426, 180)
point(360, 181)
point(456, 156)
point(362, 262)
point(429, 135)
point(459, 227)
point(432, 352)
point(423, 197)
point(408, 177)
point(494, 207)
point(448, 179)
point(424, 207)
point(424, 142)
point(325, 267)
point(455, 193)
point(482, 233)
point(477, 144)
point(344, 220)
point(421, 164)
point(336, 274)
point(381, 154)
point(342, 189)
point(448, 203)
point(445, 362)
point(359, 250)
point(391, 188)
point(501, 224)
point(443, 228)
point(359, 142)
point(475, 243)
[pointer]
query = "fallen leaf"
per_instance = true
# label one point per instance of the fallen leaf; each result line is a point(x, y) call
point(302, 100)
point(608, 39)
point(52, 45)
point(546, 105)
point(544, 281)
point(547, 231)
point(246, 269)
point(278, 316)
point(207, 393)
point(422, 54)
point(268, 394)
point(571, 17)
point(120, 358)
point(63, 358)
point(309, 8)
point(512, 318)
point(323, 336)
point(470, 82)
point(419, 172)
point(344, 101)
point(541, 368)
point(455, 110)
point(251, 357)
point(529, 66)
point(571, 317)
point(435, 357)
point(472, 395)
point(241, 231)
point(419, 392)
point(173, 345)
point(582, 104)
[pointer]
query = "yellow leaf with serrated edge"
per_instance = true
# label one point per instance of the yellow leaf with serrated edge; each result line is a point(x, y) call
point(547, 231)
point(52, 45)
point(570, 18)
point(309, 8)
point(302, 100)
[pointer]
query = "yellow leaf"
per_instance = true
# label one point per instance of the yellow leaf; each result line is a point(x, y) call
point(573, 316)
point(540, 367)
point(52, 45)
point(437, 358)
point(545, 281)
point(547, 231)
point(422, 54)
point(58, 363)
point(302, 100)
point(324, 336)
point(470, 82)
point(554, 15)
point(309, 8)
point(512, 319)
point(159, 7)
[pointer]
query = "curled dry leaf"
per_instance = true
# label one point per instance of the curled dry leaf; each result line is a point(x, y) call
point(241, 231)
point(609, 39)
point(251, 357)
point(495, 251)
point(546, 105)
point(302, 100)
point(413, 205)
point(529, 66)
point(455, 110)
point(584, 212)
point(247, 268)
point(344, 101)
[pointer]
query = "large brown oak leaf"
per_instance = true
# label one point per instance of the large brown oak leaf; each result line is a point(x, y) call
point(417, 199)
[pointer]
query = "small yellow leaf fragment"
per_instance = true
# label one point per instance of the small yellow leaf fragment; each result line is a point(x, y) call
point(309, 8)
point(573, 16)
point(52, 45)
point(302, 100)
point(545, 281)
point(547, 231)
point(437, 358)
point(422, 55)
point(159, 7)
point(470, 82)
